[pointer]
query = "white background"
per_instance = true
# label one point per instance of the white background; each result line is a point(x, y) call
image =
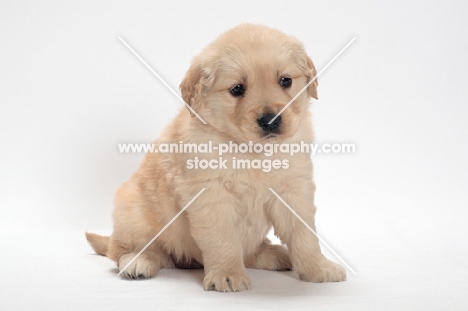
point(395, 210)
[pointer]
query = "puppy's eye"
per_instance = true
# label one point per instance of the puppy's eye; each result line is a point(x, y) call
point(238, 90)
point(285, 82)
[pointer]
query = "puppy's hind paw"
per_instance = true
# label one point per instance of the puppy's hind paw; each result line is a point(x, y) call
point(141, 268)
point(325, 271)
point(270, 257)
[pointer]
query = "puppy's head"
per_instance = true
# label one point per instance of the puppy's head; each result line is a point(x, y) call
point(242, 80)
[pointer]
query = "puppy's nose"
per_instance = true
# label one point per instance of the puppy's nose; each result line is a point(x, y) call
point(264, 123)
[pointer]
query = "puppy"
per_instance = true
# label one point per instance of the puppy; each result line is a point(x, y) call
point(237, 85)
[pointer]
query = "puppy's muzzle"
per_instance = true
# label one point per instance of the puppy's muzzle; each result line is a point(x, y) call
point(273, 128)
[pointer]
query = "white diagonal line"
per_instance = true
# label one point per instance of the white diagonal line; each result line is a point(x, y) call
point(311, 81)
point(160, 232)
point(161, 79)
point(313, 231)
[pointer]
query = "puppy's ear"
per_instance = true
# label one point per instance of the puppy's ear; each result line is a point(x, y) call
point(194, 85)
point(312, 72)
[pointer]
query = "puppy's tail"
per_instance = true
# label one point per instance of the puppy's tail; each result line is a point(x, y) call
point(99, 243)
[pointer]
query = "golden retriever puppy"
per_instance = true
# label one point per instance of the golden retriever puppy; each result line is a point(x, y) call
point(237, 85)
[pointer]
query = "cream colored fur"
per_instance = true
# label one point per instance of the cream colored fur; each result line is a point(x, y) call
point(226, 226)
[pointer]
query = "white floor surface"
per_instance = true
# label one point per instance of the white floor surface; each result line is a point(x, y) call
point(401, 265)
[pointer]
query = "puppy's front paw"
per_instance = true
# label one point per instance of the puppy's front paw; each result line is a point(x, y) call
point(141, 268)
point(324, 271)
point(227, 281)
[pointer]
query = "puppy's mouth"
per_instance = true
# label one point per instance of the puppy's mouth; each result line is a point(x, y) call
point(270, 136)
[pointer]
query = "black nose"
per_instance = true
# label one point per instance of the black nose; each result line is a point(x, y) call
point(264, 123)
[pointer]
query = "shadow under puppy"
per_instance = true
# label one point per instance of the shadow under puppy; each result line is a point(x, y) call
point(237, 85)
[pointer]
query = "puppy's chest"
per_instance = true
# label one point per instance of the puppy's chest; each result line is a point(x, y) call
point(249, 196)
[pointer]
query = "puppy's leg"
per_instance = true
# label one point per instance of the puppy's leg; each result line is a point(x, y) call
point(135, 224)
point(212, 227)
point(270, 257)
point(306, 256)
